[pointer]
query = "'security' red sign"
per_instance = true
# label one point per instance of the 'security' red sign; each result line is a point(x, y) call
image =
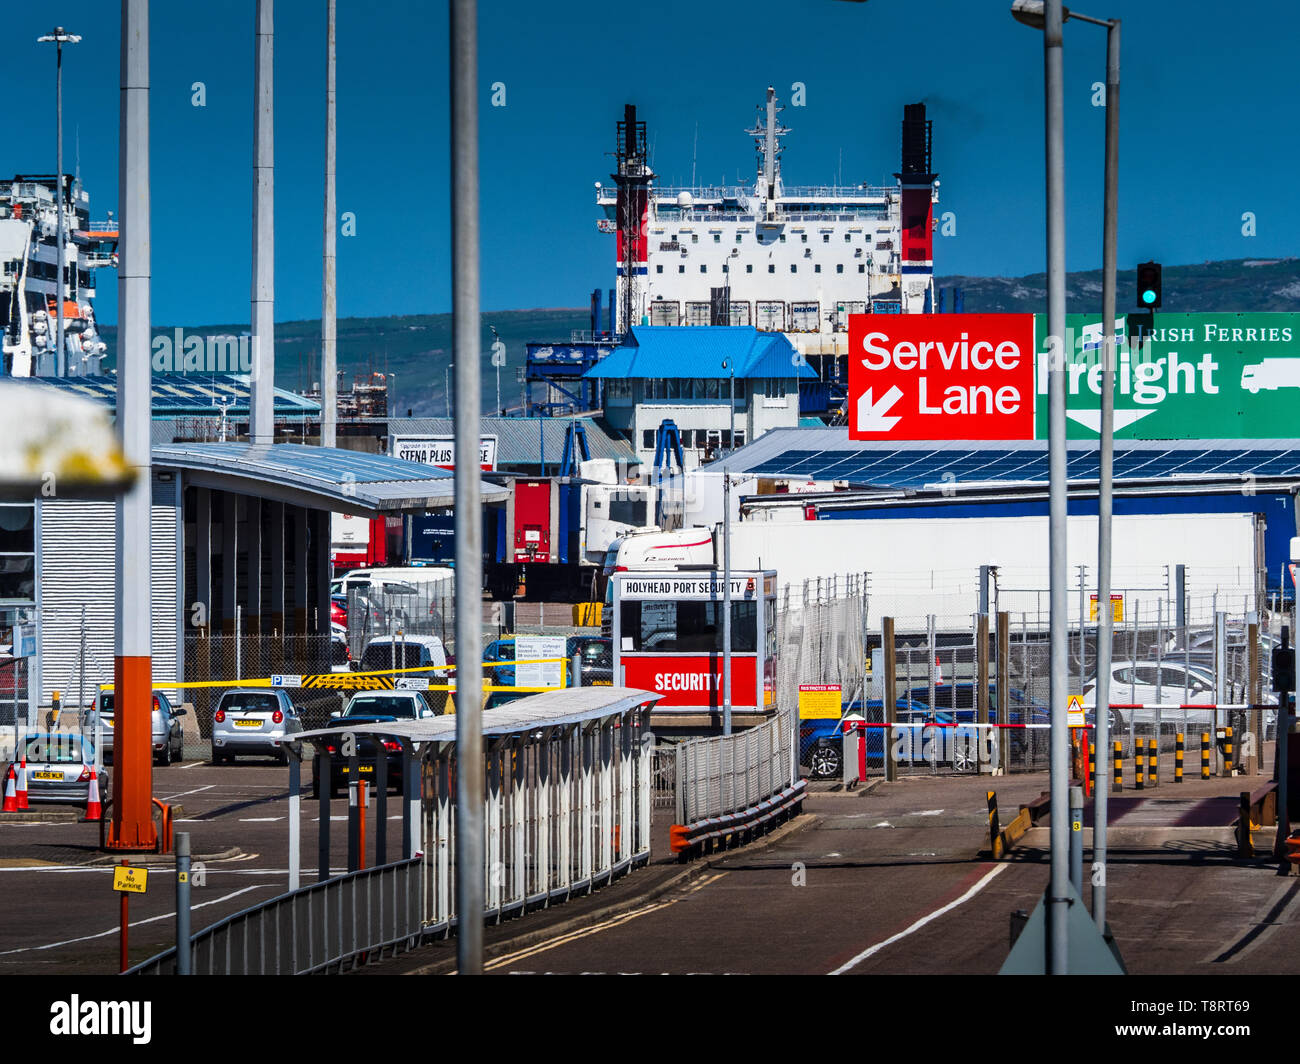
point(941, 377)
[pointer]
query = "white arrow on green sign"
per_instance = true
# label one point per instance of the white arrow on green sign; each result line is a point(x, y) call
point(1199, 376)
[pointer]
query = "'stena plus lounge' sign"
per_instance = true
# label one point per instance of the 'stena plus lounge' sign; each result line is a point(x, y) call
point(941, 377)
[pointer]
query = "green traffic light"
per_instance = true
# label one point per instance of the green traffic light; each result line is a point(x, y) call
point(1148, 296)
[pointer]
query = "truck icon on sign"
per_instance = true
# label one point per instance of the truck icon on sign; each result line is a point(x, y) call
point(1271, 374)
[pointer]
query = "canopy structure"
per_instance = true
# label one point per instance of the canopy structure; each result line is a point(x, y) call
point(322, 478)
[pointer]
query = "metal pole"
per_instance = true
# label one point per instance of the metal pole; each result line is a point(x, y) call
point(1058, 889)
point(261, 427)
point(133, 827)
point(329, 286)
point(726, 604)
point(60, 287)
point(1106, 477)
point(295, 819)
point(1282, 763)
point(470, 873)
point(1076, 834)
point(183, 947)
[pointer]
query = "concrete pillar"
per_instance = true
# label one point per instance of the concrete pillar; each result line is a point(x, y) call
point(132, 826)
point(261, 427)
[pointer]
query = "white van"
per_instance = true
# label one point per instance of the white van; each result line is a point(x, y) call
point(413, 575)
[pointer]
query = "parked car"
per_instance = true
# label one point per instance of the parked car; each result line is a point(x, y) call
point(167, 736)
point(253, 721)
point(339, 610)
point(1156, 683)
point(59, 766)
point(424, 653)
point(821, 740)
point(340, 651)
point(370, 707)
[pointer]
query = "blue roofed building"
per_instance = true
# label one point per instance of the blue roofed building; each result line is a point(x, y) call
point(686, 375)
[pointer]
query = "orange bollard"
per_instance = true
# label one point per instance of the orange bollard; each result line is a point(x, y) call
point(361, 822)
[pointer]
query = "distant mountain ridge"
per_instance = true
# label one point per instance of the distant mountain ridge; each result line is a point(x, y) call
point(416, 348)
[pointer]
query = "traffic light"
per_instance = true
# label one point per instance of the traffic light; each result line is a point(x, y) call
point(1148, 284)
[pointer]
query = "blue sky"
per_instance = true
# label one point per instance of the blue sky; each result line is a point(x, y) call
point(1203, 140)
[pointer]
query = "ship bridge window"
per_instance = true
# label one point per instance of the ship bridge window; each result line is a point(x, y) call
point(749, 268)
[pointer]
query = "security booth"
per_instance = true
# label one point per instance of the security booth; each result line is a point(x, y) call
point(667, 630)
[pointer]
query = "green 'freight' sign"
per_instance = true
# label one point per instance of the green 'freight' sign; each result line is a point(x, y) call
point(1199, 376)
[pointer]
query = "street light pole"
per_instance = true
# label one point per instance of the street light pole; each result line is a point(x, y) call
point(59, 37)
point(1101, 715)
point(726, 559)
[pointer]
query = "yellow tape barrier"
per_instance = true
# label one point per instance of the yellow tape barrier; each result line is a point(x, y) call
point(364, 681)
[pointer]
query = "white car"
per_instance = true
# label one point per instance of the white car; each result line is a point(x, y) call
point(1164, 683)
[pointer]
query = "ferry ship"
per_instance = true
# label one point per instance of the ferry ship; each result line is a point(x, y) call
point(29, 284)
point(797, 260)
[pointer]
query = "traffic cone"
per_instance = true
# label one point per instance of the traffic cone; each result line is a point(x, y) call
point(22, 783)
point(93, 810)
point(11, 795)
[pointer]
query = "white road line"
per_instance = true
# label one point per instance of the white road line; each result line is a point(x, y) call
point(871, 950)
point(616, 921)
point(134, 923)
point(182, 794)
point(194, 764)
point(259, 819)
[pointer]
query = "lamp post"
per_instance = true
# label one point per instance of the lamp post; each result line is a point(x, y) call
point(1031, 13)
point(59, 37)
point(497, 362)
point(730, 366)
point(1049, 17)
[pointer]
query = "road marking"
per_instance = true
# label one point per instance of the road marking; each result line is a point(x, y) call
point(259, 819)
point(884, 824)
point(872, 950)
point(134, 923)
point(192, 764)
point(927, 812)
point(573, 936)
point(182, 794)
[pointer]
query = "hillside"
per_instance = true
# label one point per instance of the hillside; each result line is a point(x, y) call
point(415, 349)
point(1232, 285)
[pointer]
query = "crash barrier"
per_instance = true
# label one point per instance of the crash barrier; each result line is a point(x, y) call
point(587, 614)
point(732, 787)
point(1002, 839)
point(1258, 810)
point(1147, 750)
point(568, 781)
point(327, 926)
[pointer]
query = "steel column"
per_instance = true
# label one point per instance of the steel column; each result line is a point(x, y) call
point(261, 428)
point(132, 826)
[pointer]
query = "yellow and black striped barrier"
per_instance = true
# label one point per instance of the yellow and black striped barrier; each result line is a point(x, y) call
point(377, 680)
point(1092, 760)
point(995, 832)
point(1139, 764)
point(1153, 762)
point(1205, 755)
point(1178, 758)
point(1117, 778)
point(1227, 750)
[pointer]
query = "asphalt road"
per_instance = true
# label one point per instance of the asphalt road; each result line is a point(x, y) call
point(888, 882)
point(62, 915)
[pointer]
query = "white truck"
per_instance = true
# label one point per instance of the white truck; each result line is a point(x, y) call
point(930, 565)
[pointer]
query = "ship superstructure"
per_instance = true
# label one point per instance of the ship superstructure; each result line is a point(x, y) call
point(30, 287)
point(797, 260)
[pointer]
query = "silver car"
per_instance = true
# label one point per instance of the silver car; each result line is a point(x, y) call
point(253, 721)
point(167, 737)
point(59, 767)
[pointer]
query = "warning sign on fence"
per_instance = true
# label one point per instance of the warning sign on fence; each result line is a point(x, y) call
point(819, 701)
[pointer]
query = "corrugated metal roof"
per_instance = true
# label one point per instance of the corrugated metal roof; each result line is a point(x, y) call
point(525, 440)
point(829, 454)
point(571, 705)
point(355, 482)
point(664, 351)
